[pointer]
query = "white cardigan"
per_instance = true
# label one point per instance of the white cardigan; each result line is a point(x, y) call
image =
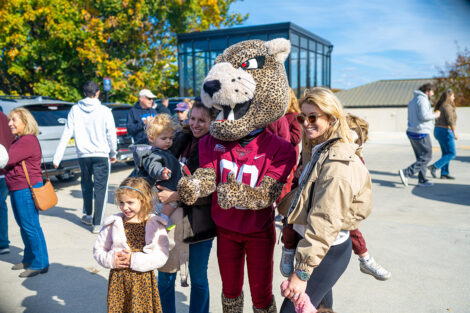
point(112, 239)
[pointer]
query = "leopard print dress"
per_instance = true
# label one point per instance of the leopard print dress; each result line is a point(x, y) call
point(131, 291)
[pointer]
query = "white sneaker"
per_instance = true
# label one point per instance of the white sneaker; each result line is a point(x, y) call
point(403, 177)
point(96, 229)
point(373, 268)
point(287, 262)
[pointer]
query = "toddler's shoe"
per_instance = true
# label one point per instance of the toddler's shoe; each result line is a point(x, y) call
point(373, 268)
point(287, 262)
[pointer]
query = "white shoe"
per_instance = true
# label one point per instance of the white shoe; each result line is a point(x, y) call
point(403, 177)
point(96, 229)
point(373, 268)
point(287, 262)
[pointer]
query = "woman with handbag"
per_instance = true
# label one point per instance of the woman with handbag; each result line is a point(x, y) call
point(198, 226)
point(333, 195)
point(25, 148)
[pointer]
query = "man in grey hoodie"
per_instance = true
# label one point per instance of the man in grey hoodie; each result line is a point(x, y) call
point(420, 125)
point(92, 126)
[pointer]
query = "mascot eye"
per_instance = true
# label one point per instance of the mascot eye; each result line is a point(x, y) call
point(255, 63)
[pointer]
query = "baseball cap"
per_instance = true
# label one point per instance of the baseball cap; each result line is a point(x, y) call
point(147, 93)
point(182, 106)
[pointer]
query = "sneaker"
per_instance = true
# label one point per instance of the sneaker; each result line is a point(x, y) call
point(31, 273)
point(374, 269)
point(425, 184)
point(96, 229)
point(447, 177)
point(403, 177)
point(287, 262)
point(87, 220)
point(432, 169)
point(5, 250)
point(20, 266)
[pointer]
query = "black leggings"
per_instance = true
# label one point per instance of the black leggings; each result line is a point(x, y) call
point(324, 277)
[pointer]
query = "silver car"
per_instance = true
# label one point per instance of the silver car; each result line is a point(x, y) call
point(51, 115)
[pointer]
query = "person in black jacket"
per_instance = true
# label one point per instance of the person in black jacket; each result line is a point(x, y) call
point(162, 107)
point(199, 229)
point(139, 115)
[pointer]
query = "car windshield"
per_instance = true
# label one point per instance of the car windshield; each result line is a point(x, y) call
point(50, 114)
point(120, 116)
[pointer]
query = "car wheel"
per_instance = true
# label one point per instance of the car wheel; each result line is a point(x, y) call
point(68, 177)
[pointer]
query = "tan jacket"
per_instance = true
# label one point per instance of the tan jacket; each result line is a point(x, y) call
point(341, 198)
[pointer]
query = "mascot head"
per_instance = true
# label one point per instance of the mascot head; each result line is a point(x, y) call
point(248, 84)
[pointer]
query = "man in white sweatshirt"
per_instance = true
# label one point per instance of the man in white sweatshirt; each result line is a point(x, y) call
point(92, 126)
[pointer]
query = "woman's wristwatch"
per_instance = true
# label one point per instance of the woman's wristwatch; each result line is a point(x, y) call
point(303, 275)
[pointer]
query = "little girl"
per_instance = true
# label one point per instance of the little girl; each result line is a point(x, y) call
point(133, 244)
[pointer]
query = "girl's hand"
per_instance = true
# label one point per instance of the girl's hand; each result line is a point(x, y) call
point(166, 195)
point(123, 259)
point(166, 173)
point(294, 289)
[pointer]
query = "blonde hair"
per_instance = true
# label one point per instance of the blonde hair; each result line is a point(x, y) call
point(293, 106)
point(360, 126)
point(327, 102)
point(137, 187)
point(30, 124)
point(159, 124)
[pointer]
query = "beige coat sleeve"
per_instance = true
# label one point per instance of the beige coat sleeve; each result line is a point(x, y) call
point(332, 197)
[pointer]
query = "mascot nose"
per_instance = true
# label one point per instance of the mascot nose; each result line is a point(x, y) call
point(211, 86)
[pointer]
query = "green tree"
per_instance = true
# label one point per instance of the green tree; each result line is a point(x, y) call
point(51, 47)
point(456, 76)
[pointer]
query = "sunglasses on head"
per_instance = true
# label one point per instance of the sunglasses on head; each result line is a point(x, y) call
point(311, 118)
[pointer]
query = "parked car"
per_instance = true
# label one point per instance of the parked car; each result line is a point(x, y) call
point(51, 116)
point(173, 102)
point(124, 140)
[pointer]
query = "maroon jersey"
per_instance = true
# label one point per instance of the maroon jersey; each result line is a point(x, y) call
point(267, 154)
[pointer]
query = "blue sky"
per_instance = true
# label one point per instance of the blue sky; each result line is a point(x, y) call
point(374, 40)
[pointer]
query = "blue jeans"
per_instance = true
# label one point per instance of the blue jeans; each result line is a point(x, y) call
point(4, 242)
point(27, 217)
point(447, 142)
point(199, 300)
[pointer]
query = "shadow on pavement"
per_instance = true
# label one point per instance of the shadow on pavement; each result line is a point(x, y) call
point(78, 193)
point(66, 214)
point(179, 299)
point(66, 289)
point(375, 172)
point(13, 257)
point(449, 193)
point(462, 159)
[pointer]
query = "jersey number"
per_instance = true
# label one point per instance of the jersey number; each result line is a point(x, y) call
point(248, 174)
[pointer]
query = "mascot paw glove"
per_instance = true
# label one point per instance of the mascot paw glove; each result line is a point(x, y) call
point(228, 193)
point(188, 190)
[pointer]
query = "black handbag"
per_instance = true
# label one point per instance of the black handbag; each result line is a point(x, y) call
point(197, 221)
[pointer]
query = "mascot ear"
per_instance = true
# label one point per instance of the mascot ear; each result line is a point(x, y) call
point(279, 48)
point(218, 59)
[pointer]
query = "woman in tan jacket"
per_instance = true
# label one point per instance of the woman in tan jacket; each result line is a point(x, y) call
point(333, 196)
point(444, 131)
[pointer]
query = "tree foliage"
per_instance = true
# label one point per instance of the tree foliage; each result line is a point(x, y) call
point(456, 76)
point(51, 47)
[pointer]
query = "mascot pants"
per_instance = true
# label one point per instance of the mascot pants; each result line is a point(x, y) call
point(258, 248)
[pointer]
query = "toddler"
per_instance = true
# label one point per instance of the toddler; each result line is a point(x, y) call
point(156, 163)
point(133, 244)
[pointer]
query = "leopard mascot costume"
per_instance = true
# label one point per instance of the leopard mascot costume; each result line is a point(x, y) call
point(243, 165)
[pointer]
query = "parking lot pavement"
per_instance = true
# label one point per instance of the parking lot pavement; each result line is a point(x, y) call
point(420, 234)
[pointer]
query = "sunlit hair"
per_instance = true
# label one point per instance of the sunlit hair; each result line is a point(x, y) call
point(159, 124)
point(445, 98)
point(200, 105)
point(329, 104)
point(293, 106)
point(31, 126)
point(144, 194)
point(360, 126)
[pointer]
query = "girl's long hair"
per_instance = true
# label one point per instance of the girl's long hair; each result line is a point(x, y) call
point(445, 98)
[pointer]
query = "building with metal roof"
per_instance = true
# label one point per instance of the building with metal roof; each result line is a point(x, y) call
point(381, 94)
point(308, 65)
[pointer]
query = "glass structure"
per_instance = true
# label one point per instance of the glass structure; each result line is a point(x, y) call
point(308, 65)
